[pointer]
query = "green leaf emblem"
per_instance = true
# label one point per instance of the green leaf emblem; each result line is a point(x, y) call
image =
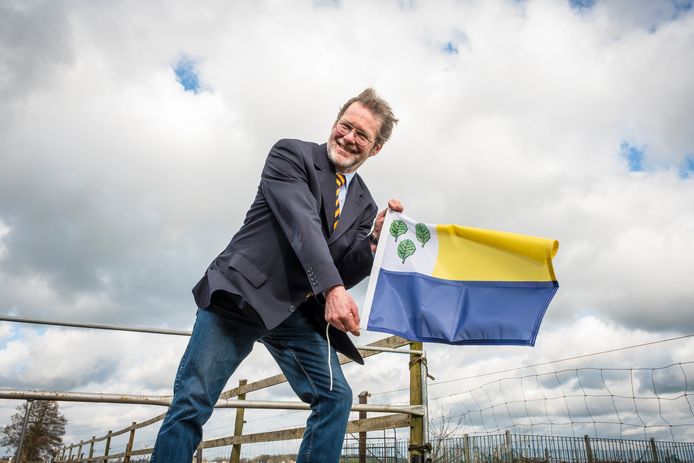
point(397, 228)
point(405, 249)
point(422, 232)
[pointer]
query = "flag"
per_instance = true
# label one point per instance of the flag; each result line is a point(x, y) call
point(458, 285)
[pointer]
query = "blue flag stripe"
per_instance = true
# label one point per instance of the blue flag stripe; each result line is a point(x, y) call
point(424, 308)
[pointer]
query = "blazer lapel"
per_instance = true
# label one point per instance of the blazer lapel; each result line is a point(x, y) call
point(326, 176)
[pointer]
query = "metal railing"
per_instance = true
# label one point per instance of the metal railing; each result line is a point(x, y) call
point(507, 448)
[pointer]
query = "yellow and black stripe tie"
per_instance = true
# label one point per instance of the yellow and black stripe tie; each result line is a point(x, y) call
point(339, 181)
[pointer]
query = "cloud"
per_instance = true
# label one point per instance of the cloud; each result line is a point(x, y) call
point(118, 186)
point(35, 46)
point(650, 16)
point(132, 197)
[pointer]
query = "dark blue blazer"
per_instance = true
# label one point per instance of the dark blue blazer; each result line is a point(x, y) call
point(286, 247)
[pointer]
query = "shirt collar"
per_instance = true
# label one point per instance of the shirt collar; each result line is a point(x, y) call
point(348, 178)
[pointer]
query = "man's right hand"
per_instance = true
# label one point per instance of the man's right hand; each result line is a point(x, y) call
point(341, 311)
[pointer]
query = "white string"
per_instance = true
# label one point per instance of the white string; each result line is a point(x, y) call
point(330, 367)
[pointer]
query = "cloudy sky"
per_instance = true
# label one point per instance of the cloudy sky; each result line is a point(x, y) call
point(132, 136)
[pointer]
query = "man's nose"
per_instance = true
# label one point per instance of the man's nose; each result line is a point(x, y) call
point(352, 137)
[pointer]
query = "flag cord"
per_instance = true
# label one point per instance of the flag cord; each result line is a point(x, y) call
point(330, 367)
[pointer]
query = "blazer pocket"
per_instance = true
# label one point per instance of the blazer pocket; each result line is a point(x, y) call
point(254, 274)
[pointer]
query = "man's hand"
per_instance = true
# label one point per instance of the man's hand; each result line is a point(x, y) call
point(341, 311)
point(393, 204)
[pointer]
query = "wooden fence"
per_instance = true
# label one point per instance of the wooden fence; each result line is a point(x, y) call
point(413, 416)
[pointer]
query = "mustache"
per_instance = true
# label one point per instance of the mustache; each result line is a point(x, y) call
point(351, 147)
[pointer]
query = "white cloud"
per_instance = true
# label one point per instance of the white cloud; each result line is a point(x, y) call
point(4, 231)
point(117, 187)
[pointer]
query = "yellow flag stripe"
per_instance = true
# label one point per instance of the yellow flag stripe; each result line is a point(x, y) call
point(475, 254)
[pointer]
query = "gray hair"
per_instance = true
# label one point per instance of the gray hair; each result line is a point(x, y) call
point(379, 107)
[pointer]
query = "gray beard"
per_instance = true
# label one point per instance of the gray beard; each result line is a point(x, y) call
point(342, 165)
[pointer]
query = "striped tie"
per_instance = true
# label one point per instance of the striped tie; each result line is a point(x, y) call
point(339, 181)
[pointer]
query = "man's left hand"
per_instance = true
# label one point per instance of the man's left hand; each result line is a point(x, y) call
point(393, 204)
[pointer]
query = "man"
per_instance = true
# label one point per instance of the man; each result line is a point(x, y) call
point(282, 281)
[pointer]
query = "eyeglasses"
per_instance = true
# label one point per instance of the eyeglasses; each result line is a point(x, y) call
point(360, 137)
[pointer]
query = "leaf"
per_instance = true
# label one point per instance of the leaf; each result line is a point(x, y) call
point(405, 249)
point(422, 232)
point(397, 228)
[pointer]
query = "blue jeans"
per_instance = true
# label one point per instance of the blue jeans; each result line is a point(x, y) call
point(217, 347)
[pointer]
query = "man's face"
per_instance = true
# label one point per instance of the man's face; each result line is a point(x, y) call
point(352, 138)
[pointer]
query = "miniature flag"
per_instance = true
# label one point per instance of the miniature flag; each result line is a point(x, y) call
point(458, 285)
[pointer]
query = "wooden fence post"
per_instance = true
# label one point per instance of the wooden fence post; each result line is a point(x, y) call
point(417, 422)
point(466, 448)
point(363, 399)
point(91, 448)
point(198, 455)
point(107, 447)
point(238, 427)
point(589, 450)
point(509, 447)
point(131, 442)
point(79, 451)
point(654, 450)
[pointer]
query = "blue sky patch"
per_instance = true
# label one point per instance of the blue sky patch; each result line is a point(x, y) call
point(327, 3)
point(682, 5)
point(187, 75)
point(458, 39)
point(633, 156)
point(581, 4)
point(687, 168)
point(449, 48)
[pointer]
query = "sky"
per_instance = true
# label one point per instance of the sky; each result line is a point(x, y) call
point(132, 135)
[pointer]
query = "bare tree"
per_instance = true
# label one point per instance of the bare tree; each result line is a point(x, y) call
point(44, 432)
point(440, 430)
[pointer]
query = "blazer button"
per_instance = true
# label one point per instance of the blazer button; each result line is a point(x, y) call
point(292, 308)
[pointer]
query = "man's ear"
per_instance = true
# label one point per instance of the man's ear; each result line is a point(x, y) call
point(376, 149)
